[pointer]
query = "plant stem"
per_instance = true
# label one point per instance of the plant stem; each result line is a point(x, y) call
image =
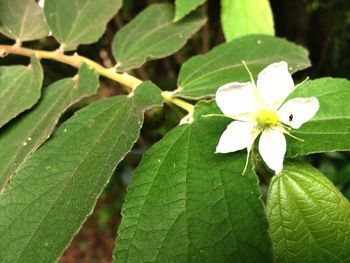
point(128, 81)
point(167, 96)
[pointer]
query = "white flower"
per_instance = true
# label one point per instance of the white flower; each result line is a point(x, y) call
point(257, 109)
point(41, 3)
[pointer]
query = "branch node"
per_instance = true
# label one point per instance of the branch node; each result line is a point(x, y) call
point(3, 53)
point(61, 49)
point(18, 43)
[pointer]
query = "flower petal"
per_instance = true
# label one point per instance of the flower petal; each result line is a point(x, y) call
point(272, 148)
point(237, 136)
point(275, 83)
point(236, 98)
point(296, 112)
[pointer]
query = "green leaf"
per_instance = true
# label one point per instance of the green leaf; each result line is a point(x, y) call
point(25, 134)
point(56, 188)
point(20, 89)
point(309, 218)
point(243, 17)
point(329, 129)
point(152, 35)
point(75, 22)
point(22, 20)
point(187, 204)
point(184, 7)
point(202, 75)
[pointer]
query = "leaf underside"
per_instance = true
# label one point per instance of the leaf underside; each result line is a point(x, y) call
point(20, 89)
point(75, 22)
point(56, 188)
point(26, 133)
point(22, 20)
point(184, 7)
point(153, 35)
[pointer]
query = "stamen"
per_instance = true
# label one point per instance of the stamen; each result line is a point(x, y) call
point(241, 117)
point(301, 83)
point(295, 137)
point(256, 93)
point(246, 162)
point(285, 126)
point(284, 129)
point(215, 115)
point(256, 131)
point(250, 74)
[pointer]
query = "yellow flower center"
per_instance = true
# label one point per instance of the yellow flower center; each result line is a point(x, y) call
point(267, 118)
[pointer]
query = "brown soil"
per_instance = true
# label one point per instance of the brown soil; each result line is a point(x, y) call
point(91, 244)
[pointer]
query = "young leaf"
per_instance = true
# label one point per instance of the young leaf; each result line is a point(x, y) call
point(153, 34)
point(202, 75)
point(20, 89)
point(309, 218)
point(329, 129)
point(22, 20)
point(75, 22)
point(25, 134)
point(56, 188)
point(184, 7)
point(187, 204)
point(244, 17)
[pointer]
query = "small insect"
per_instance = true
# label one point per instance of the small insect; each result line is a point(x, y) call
point(291, 117)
